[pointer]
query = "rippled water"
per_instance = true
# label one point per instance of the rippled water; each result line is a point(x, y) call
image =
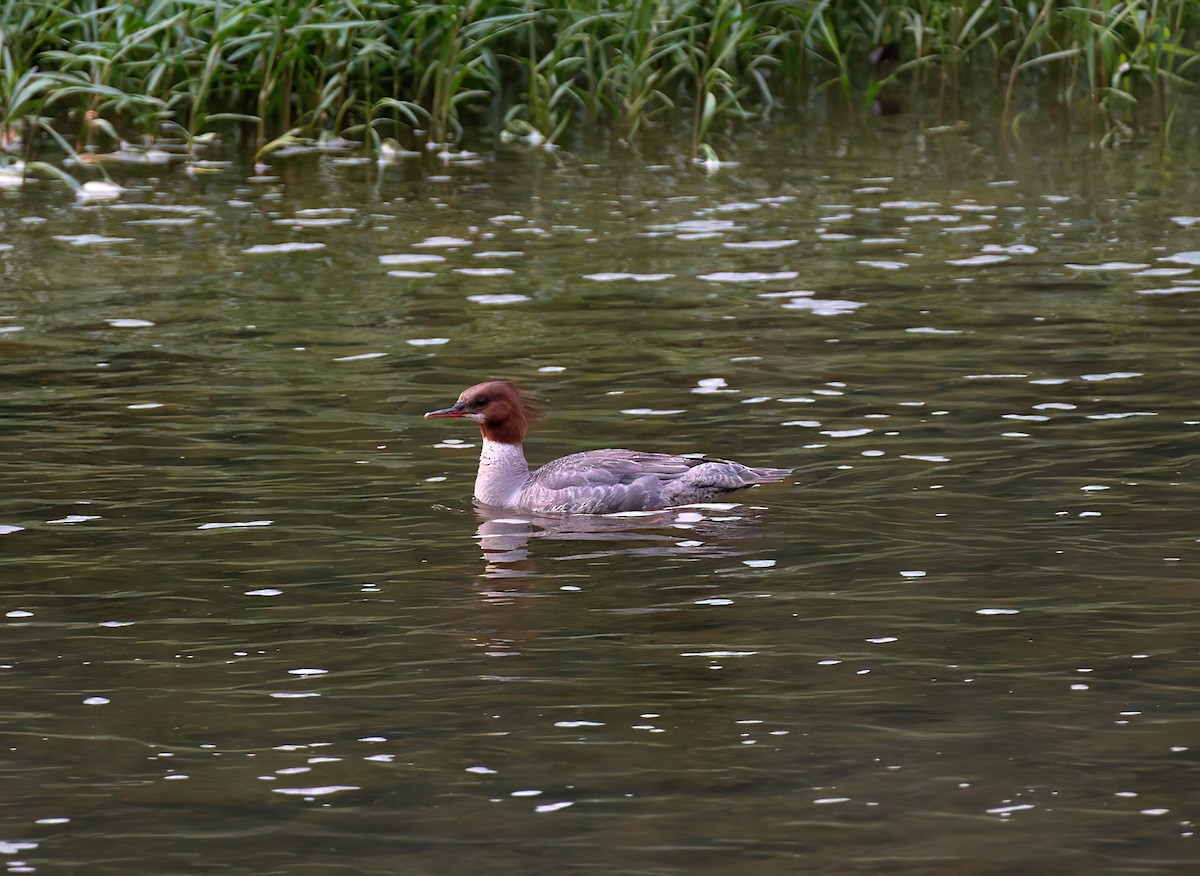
point(251, 620)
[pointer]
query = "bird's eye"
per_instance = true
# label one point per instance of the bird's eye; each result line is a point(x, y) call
point(481, 400)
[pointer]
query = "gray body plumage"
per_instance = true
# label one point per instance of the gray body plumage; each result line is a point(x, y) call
point(608, 481)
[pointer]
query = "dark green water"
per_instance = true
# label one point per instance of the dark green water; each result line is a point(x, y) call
point(252, 623)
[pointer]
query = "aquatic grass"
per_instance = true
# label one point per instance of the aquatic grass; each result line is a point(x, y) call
point(550, 69)
point(718, 89)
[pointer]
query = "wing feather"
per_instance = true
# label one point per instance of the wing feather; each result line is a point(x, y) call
point(612, 467)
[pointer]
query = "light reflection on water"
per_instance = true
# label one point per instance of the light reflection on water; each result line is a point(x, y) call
point(246, 594)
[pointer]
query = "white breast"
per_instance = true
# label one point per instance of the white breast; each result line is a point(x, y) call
point(503, 473)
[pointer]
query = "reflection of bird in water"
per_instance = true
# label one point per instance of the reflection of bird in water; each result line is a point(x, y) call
point(504, 536)
point(593, 482)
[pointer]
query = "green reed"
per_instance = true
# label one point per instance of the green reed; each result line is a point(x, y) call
point(428, 72)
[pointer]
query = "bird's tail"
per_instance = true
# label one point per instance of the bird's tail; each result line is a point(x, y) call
point(765, 475)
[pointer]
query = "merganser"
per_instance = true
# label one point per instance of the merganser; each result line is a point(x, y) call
point(592, 482)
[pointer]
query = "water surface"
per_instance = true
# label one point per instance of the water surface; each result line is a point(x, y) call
point(251, 620)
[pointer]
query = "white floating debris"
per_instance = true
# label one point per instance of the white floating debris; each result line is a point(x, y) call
point(758, 564)
point(760, 244)
point(712, 384)
point(427, 342)
point(446, 242)
point(483, 272)
point(748, 276)
point(882, 264)
point(995, 611)
point(691, 225)
point(637, 278)
point(313, 223)
point(1112, 375)
point(165, 222)
point(736, 206)
point(1109, 266)
point(410, 258)
point(846, 433)
point(1017, 248)
point(265, 591)
point(12, 176)
point(8, 528)
point(97, 701)
point(98, 190)
point(511, 298)
point(1184, 258)
point(979, 260)
point(552, 807)
point(129, 323)
point(294, 246)
point(235, 525)
point(650, 412)
point(824, 306)
point(320, 791)
point(359, 357)
point(74, 518)
point(1163, 272)
point(89, 239)
point(1005, 810)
